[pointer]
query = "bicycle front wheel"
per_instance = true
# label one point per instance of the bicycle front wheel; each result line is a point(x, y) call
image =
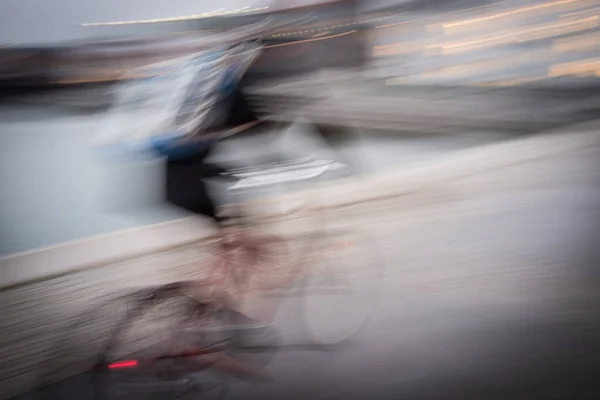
point(341, 287)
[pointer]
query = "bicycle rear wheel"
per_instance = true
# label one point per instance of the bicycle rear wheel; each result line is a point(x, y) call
point(341, 286)
point(165, 348)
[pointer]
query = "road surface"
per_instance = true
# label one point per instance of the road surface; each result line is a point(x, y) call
point(490, 293)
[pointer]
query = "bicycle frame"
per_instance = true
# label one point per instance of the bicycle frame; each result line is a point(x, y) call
point(251, 243)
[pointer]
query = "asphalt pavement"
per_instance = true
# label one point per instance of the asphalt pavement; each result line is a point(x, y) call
point(490, 292)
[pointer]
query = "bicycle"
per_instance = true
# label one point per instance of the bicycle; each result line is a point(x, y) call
point(195, 335)
point(204, 335)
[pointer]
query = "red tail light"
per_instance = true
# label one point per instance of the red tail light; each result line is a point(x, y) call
point(123, 364)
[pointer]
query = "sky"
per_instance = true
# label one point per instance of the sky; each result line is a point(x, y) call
point(47, 21)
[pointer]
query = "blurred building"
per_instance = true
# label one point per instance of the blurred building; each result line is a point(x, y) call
point(499, 43)
point(423, 42)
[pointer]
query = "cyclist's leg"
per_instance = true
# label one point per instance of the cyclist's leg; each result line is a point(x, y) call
point(340, 139)
point(185, 186)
